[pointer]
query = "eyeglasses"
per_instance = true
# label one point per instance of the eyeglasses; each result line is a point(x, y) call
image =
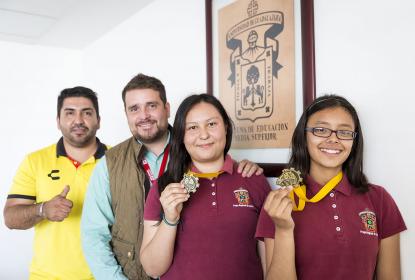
point(327, 132)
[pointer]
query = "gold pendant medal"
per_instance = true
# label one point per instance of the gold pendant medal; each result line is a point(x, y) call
point(290, 177)
point(190, 182)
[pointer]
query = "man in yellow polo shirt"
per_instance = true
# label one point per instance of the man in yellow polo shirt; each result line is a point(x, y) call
point(49, 187)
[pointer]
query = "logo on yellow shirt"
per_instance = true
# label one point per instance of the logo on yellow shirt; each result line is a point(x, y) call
point(53, 171)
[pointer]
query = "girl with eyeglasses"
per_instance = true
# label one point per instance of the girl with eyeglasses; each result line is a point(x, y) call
point(335, 225)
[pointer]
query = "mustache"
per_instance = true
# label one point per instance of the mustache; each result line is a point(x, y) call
point(78, 126)
point(145, 121)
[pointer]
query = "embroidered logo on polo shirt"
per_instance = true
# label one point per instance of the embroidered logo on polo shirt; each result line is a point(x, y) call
point(369, 222)
point(242, 197)
point(53, 171)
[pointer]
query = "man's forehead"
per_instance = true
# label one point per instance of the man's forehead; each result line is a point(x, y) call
point(77, 103)
point(142, 96)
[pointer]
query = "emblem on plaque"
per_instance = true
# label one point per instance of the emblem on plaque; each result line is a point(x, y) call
point(253, 61)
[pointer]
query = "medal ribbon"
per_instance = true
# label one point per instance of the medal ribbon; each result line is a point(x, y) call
point(301, 192)
point(205, 175)
point(146, 166)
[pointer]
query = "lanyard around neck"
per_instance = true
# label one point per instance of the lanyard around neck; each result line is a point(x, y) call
point(300, 192)
point(146, 166)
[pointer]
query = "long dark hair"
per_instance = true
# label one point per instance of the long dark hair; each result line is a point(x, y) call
point(180, 159)
point(300, 157)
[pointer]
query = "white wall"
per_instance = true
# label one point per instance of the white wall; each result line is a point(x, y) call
point(364, 51)
point(166, 40)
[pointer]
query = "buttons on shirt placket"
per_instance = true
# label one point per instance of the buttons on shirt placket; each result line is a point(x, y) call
point(335, 213)
point(213, 193)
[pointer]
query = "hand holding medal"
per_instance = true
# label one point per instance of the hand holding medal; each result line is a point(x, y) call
point(279, 203)
point(172, 199)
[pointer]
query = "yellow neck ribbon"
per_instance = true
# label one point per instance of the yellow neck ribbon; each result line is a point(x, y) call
point(301, 192)
point(205, 175)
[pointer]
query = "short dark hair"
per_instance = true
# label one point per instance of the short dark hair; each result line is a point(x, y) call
point(300, 157)
point(78, 92)
point(179, 157)
point(141, 81)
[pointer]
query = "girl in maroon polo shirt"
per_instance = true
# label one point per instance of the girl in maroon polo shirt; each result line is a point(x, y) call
point(353, 231)
point(208, 234)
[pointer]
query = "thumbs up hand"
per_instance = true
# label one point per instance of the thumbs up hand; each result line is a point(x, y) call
point(59, 207)
point(65, 191)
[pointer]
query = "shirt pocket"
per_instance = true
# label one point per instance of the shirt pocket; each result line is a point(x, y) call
point(124, 252)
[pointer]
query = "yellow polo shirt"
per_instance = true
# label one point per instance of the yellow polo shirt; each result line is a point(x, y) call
point(57, 245)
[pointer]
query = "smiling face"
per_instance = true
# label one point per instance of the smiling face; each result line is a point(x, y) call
point(146, 114)
point(205, 134)
point(327, 155)
point(78, 121)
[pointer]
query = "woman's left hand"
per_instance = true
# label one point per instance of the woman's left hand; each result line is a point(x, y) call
point(279, 206)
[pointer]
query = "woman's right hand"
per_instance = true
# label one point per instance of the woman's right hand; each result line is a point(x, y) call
point(172, 199)
point(279, 206)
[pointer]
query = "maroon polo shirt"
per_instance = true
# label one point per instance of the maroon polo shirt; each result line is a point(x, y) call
point(216, 234)
point(338, 237)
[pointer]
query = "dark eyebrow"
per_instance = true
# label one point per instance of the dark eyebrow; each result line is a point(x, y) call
point(132, 106)
point(321, 122)
point(87, 109)
point(82, 110)
point(208, 120)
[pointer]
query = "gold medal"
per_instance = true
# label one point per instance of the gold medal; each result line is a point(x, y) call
point(289, 177)
point(190, 182)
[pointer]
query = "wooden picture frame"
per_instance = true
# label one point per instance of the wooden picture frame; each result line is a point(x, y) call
point(308, 63)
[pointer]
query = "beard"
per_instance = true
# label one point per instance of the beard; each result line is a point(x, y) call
point(151, 138)
point(81, 141)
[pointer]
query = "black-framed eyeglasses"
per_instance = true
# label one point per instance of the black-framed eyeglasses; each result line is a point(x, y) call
point(327, 132)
